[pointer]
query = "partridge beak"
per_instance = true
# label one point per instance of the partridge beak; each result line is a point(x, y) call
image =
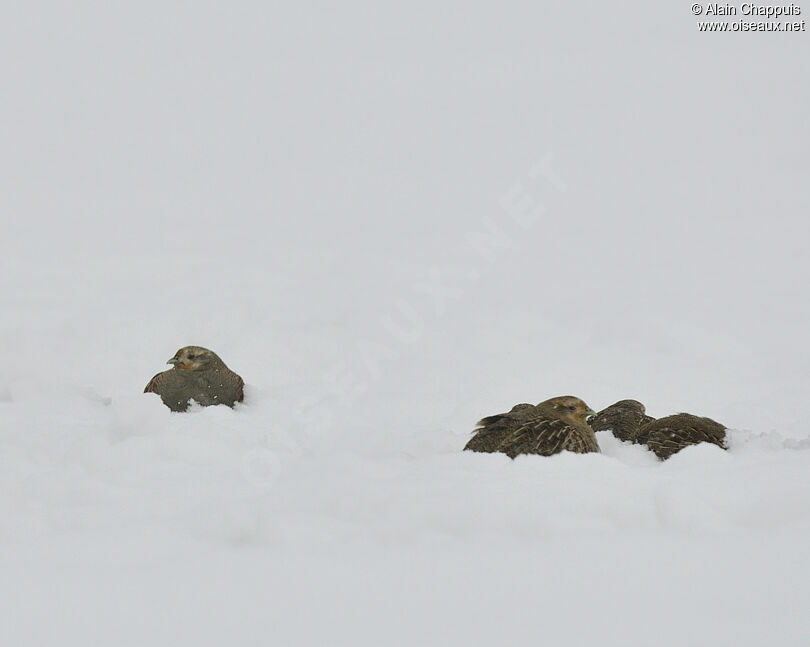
point(590, 414)
point(173, 360)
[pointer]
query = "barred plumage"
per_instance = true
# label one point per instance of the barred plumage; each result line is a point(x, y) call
point(548, 428)
point(624, 418)
point(197, 374)
point(669, 435)
point(491, 431)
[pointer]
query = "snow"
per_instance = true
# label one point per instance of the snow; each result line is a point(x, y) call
point(392, 222)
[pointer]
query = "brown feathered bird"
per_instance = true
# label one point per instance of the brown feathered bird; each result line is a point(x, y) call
point(197, 374)
point(624, 418)
point(491, 431)
point(548, 428)
point(669, 435)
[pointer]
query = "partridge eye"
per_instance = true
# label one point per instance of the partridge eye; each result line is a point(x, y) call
point(192, 356)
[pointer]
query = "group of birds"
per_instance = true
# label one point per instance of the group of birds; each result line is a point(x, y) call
point(564, 423)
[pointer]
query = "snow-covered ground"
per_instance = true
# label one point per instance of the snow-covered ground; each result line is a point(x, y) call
point(392, 222)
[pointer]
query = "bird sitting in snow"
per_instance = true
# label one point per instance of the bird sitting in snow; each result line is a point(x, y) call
point(624, 419)
point(669, 435)
point(628, 420)
point(553, 426)
point(197, 374)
